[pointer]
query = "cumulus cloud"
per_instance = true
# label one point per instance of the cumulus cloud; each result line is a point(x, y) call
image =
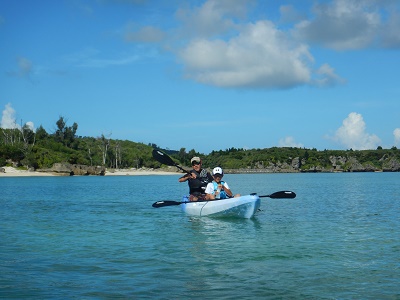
point(260, 56)
point(396, 134)
point(352, 134)
point(8, 118)
point(349, 25)
point(289, 142)
point(30, 125)
point(212, 18)
point(341, 25)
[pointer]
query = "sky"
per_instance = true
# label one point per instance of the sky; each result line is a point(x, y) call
point(206, 75)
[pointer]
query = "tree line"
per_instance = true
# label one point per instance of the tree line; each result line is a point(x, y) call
point(39, 149)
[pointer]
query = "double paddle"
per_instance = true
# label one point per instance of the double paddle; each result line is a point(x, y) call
point(166, 160)
point(277, 195)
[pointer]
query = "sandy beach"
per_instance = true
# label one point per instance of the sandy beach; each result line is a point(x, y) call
point(13, 172)
point(133, 172)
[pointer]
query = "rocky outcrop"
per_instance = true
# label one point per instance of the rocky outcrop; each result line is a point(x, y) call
point(337, 164)
point(74, 169)
point(354, 165)
point(390, 165)
point(351, 164)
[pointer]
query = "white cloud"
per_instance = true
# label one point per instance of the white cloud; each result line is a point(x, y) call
point(260, 56)
point(8, 118)
point(349, 25)
point(289, 142)
point(396, 134)
point(30, 125)
point(352, 134)
point(212, 18)
point(341, 25)
point(325, 77)
point(390, 33)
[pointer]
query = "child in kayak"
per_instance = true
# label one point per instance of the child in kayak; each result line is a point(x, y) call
point(218, 189)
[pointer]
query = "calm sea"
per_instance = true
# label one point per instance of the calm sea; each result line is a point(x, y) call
point(99, 238)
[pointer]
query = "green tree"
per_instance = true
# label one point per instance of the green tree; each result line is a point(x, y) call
point(41, 133)
point(65, 134)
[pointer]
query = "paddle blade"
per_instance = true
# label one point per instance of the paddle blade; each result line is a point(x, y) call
point(283, 194)
point(165, 203)
point(163, 158)
point(280, 195)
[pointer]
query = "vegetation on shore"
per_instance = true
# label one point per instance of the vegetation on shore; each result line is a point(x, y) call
point(40, 150)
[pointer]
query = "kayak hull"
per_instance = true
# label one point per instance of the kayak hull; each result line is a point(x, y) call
point(239, 207)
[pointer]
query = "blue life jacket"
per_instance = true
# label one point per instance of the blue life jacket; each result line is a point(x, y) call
point(222, 194)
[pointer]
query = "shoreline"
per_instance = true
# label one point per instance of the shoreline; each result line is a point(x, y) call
point(13, 172)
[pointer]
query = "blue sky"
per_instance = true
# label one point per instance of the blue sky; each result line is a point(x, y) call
point(206, 75)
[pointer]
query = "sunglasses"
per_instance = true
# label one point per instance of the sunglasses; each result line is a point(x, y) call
point(195, 163)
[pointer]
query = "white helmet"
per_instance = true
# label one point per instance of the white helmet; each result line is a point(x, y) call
point(218, 170)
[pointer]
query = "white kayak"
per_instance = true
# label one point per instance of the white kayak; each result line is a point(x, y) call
point(239, 207)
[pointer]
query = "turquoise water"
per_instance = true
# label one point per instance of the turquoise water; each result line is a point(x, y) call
point(99, 238)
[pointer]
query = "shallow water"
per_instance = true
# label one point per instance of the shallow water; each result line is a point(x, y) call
point(99, 238)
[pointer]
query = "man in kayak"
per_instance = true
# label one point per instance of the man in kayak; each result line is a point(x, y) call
point(198, 179)
point(218, 189)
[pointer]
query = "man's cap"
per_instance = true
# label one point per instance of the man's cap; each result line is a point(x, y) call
point(196, 159)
